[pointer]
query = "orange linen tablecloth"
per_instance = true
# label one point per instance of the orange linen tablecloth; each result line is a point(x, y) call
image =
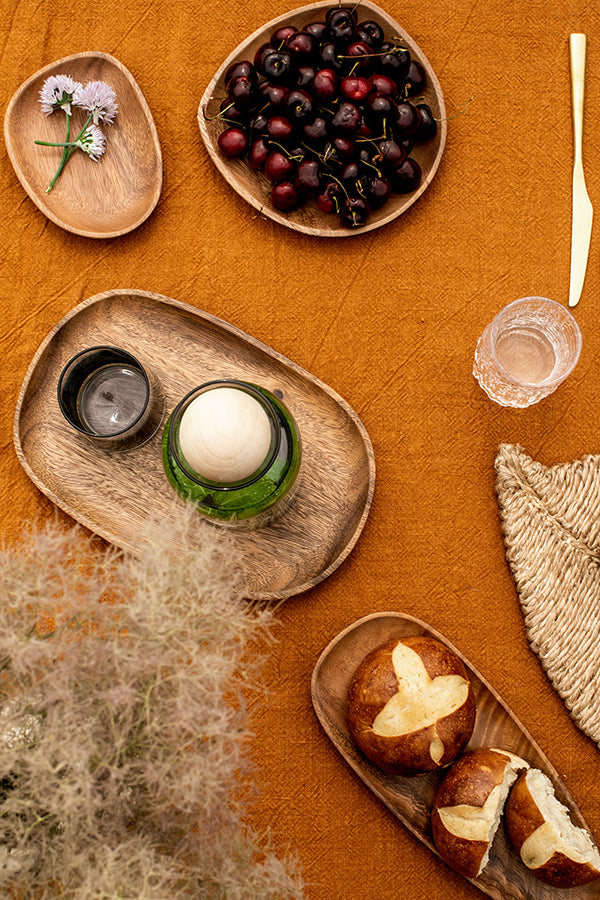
point(389, 320)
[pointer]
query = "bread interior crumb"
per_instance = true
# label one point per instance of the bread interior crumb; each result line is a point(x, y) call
point(558, 833)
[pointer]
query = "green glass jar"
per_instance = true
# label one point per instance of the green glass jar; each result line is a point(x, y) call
point(234, 449)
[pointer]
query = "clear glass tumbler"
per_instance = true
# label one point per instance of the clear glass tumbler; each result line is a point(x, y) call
point(108, 396)
point(528, 350)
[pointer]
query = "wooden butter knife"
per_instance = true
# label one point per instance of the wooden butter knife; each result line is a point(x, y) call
point(582, 208)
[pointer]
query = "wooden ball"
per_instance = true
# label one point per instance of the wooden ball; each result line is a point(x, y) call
point(225, 435)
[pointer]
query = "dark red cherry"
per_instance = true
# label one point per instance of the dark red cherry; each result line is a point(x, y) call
point(307, 177)
point(334, 10)
point(347, 118)
point(365, 130)
point(381, 109)
point(230, 112)
point(257, 126)
point(416, 79)
point(299, 106)
point(427, 126)
point(377, 191)
point(325, 84)
point(350, 173)
point(285, 196)
point(408, 118)
point(274, 94)
point(316, 131)
point(297, 154)
point(302, 45)
point(244, 68)
point(233, 142)
point(278, 166)
point(317, 29)
point(354, 212)
point(390, 154)
point(341, 23)
point(406, 177)
point(394, 61)
point(258, 154)
point(330, 57)
point(344, 147)
point(371, 33)
point(360, 57)
point(281, 34)
point(259, 56)
point(384, 84)
point(331, 197)
point(279, 128)
point(305, 75)
point(277, 65)
point(355, 88)
point(241, 90)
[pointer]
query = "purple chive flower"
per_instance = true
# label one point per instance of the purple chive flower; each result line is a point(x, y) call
point(92, 142)
point(57, 93)
point(99, 99)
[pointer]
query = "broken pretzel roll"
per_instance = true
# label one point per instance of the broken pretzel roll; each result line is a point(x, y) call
point(468, 805)
point(411, 707)
point(556, 851)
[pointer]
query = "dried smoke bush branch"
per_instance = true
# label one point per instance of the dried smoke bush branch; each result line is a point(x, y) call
point(123, 727)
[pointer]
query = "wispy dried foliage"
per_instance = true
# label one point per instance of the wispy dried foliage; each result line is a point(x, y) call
point(123, 726)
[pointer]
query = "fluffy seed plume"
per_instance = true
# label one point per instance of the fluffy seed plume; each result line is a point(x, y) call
point(123, 725)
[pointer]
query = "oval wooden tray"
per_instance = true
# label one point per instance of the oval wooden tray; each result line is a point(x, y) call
point(505, 877)
point(254, 187)
point(112, 493)
point(103, 199)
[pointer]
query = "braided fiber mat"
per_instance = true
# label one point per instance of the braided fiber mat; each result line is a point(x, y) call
point(551, 527)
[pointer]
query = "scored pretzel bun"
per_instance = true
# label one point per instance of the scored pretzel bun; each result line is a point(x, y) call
point(468, 805)
point(556, 851)
point(411, 707)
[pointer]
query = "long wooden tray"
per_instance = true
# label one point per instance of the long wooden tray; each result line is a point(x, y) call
point(505, 877)
point(112, 494)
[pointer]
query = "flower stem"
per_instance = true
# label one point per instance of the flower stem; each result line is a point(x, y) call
point(68, 148)
point(63, 160)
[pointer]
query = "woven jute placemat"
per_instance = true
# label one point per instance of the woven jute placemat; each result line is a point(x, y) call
point(551, 527)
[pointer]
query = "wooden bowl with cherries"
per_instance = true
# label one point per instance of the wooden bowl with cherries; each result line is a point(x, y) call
point(328, 120)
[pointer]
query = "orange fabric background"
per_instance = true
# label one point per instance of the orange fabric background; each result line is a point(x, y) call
point(389, 320)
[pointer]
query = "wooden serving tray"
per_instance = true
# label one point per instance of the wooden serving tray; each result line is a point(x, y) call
point(113, 494)
point(505, 877)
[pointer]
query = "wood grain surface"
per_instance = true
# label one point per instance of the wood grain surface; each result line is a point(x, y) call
point(254, 186)
point(112, 493)
point(104, 198)
point(505, 877)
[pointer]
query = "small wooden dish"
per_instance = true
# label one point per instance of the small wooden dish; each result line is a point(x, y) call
point(254, 187)
point(102, 199)
point(113, 493)
point(505, 877)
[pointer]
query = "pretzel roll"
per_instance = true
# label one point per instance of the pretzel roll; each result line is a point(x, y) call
point(468, 805)
point(411, 707)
